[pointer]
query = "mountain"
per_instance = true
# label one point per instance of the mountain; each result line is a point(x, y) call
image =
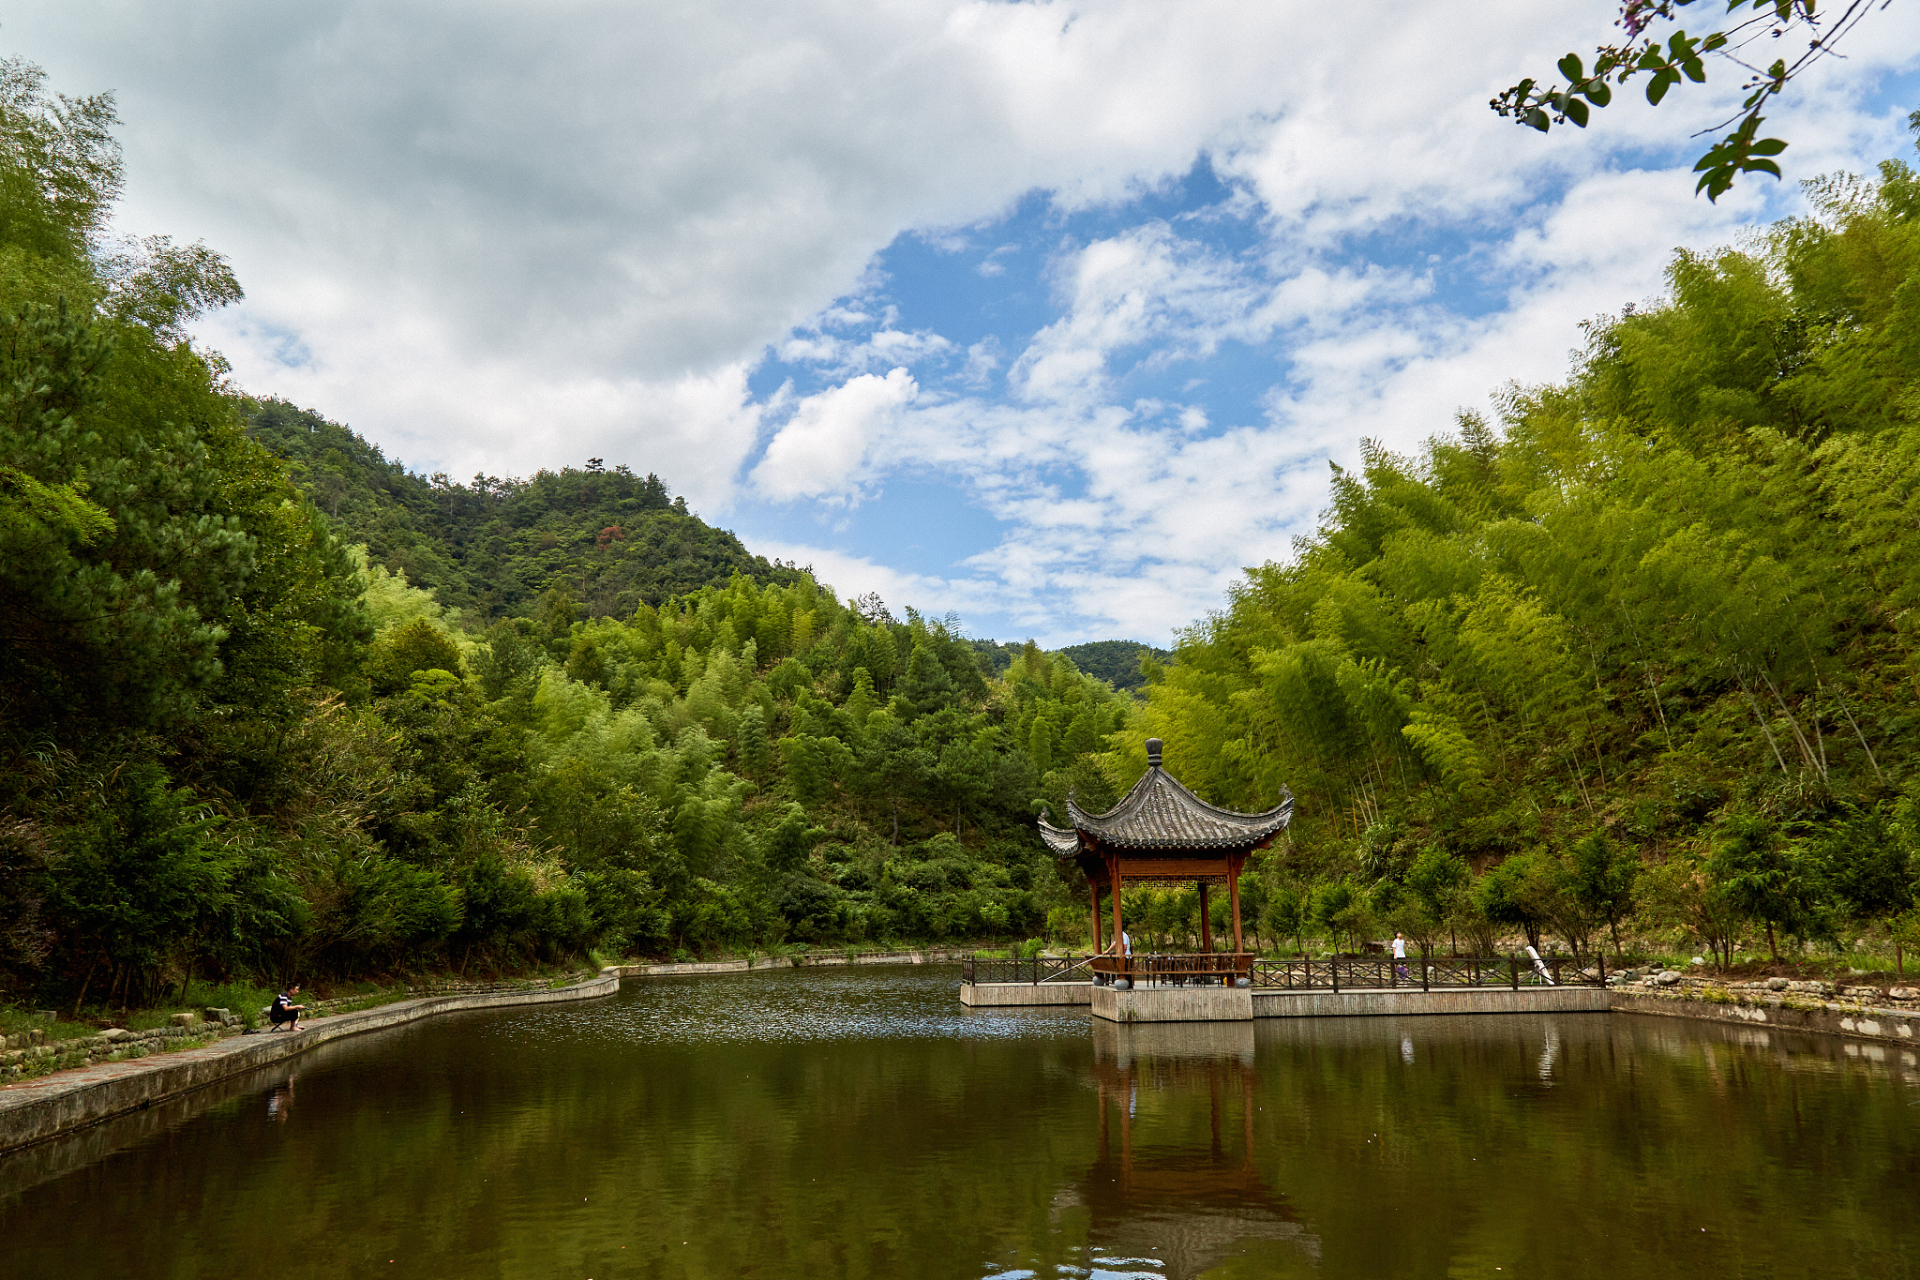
point(609, 539)
point(1115, 661)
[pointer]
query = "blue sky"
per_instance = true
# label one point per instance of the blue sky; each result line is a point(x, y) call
point(957, 307)
point(1048, 315)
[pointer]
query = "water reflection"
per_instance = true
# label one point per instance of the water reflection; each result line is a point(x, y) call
point(1157, 1200)
point(280, 1100)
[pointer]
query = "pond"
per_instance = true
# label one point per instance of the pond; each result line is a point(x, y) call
point(860, 1122)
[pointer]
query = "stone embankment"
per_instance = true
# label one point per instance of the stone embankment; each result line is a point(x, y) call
point(1889, 1014)
point(759, 964)
point(117, 1071)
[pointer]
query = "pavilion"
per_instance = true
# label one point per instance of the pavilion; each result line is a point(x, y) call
point(1162, 833)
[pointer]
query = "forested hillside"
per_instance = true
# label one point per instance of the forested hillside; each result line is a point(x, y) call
point(231, 749)
point(610, 539)
point(1116, 661)
point(1642, 655)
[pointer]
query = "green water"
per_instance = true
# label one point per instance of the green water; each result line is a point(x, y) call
point(862, 1123)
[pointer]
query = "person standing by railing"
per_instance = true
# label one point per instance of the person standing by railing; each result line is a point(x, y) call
point(1540, 966)
point(1400, 956)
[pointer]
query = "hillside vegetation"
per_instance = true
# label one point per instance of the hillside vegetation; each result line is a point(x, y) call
point(1642, 656)
point(489, 549)
point(1118, 662)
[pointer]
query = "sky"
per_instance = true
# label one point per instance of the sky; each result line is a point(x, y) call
point(1046, 316)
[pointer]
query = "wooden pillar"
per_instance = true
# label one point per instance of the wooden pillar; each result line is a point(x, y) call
point(1093, 937)
point(1206, 920)
point(1113, 882)
point(1233, 892)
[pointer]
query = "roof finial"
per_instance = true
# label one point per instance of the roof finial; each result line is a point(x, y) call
point(1153, 753)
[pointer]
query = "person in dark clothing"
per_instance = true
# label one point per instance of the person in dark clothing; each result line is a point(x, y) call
point(284, 1012)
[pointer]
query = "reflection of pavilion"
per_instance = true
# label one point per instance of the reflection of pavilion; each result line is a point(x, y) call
point(1189, 1206)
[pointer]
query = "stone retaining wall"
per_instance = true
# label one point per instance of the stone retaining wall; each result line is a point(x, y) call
point(1787, 1012)
point(1001, 995)
point(1683, 982)
point(36, 1052)
point(34, 1110)
point(1385, 1003)
point(1173, 1004)
point(821, 960)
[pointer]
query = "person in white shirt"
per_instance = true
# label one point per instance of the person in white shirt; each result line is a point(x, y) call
point(1400, 955)
point(1123, 947)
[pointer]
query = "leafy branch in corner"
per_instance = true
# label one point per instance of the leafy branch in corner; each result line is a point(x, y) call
point(1683, 57)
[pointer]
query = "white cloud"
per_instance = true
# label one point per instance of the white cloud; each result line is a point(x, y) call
point(637, 194)
point(881, 348)
point(821, 451)
point(516, 415)
point(852, 575)
point(1143, 286)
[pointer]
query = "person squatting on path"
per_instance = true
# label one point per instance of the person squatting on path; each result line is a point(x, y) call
point(285, 1011)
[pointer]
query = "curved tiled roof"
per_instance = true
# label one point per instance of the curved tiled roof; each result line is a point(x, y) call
point(1160, 813)
point(1064, 841)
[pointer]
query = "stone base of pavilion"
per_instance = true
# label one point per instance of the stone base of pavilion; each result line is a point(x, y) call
point(1000, 995)
point(1173, 1004)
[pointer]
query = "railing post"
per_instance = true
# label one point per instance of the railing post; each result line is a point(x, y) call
point(1333, 967)
point(1513, 963)
point(1600, 958)
point(1426, 978)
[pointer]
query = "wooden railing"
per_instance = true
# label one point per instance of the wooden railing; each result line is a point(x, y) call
point(1030, 969)
point(1372, 973)
point(1369, 973)
point(1188, 969)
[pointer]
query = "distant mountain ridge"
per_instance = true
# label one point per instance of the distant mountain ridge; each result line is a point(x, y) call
point(1115, 661)
point(610, 540)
